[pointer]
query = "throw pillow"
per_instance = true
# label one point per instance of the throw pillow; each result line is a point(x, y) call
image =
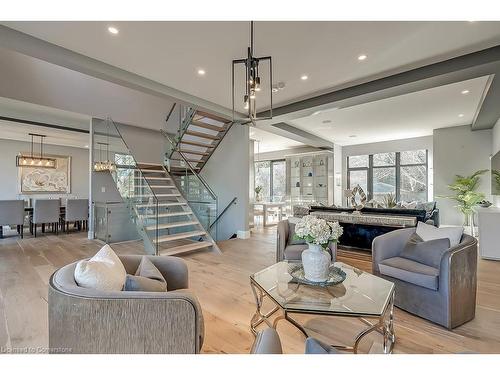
point(430, 232)
point(147, 278)
point(104, 271)
point(425, 252)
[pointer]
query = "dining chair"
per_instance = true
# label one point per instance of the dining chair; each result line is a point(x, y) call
point(12, 213)
point(46, 211)
point(77, 211)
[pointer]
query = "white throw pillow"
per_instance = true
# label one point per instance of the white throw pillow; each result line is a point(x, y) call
point(104, 271)
point(430, 232)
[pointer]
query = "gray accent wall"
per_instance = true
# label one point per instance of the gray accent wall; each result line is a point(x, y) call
point(458, 150)
point(227, 173)
point(9, 187)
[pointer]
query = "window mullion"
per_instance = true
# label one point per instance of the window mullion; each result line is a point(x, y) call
point(398, 176)
point(370, 177)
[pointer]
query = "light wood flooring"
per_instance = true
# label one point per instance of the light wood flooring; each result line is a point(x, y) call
point(221, 283)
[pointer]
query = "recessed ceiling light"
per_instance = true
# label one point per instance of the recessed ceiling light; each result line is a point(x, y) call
point(465, 92)
point(461, 115)
point(113, 30)
point(201, 72)
point(353, 136)
point(362, 57)
point(326, 121)
point(86, 146)
point(304, 77)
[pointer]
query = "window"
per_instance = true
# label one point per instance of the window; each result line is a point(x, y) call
point(125, 175)
point(403, 174)
point(271, 175)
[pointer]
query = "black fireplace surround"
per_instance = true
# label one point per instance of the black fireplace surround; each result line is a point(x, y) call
point(361, 235)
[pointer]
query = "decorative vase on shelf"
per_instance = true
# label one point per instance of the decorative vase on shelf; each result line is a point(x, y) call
point(316, 262)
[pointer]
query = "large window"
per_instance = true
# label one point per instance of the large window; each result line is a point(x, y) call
point(271, 175)
point(403, 174)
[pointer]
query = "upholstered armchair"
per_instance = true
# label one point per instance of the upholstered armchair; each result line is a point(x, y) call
point(83, 320)
point(285, 250)
point(445, 295)
point(268, 342)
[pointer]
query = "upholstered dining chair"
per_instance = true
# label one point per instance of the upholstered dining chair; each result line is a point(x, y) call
point(46, 211)
point(77, 211)
point(12, 213)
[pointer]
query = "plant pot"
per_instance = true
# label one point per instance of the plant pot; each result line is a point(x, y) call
point(316, 262)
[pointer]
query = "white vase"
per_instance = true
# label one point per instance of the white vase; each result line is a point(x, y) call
point(316, 262)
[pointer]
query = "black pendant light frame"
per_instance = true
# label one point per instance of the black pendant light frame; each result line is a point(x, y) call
point(252, 83)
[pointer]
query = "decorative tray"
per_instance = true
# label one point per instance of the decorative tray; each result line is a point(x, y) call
point(336, 276)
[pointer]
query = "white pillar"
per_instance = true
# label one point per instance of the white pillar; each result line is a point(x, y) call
point(91, 166)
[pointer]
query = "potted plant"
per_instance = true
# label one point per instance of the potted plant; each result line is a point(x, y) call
point(258, 191)
point(318, 233)
point(466, 195)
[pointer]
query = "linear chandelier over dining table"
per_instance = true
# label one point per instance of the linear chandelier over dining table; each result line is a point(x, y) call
point(33, 161)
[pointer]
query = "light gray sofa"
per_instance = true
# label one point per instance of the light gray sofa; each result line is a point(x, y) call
point(286, 251)
point(83, 320)
point(444, 295)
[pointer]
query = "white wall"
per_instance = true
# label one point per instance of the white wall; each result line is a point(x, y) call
point(227, 173)
point(458, 150)
point(496, 148)
point(9, 187)
point(409, 144)
point(280, 154)
point(337, 175)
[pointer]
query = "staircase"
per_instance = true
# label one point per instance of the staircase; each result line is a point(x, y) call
point(168, 223)
point(173, 225)
point(197, 138)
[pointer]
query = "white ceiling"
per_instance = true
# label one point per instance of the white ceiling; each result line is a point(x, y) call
point(267, 142)
point(172, 52)
point(411, 115)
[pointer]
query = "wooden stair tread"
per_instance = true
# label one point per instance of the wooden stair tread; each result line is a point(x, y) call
point(175, 224)
point(165, 204)
point(189, 160)
point(184, 248)
point(212, 116)
point(156, 186)
point(178, 236)
point(152, 178)
point(157, 195)
point(193, 152)
point(201, 135)
point(204, 125)
point(194, 143)
point(169, 214)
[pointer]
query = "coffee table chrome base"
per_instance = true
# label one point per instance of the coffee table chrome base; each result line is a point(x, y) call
point(384, 325)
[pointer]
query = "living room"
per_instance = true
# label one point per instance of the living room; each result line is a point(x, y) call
point(338, 200)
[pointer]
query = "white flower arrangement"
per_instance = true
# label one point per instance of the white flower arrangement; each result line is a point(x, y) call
point(318, 231)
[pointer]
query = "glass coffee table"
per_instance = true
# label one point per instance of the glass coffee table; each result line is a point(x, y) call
point(361, 295)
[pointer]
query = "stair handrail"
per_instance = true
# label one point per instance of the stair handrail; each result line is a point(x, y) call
point(174, 147)
point(233, 201)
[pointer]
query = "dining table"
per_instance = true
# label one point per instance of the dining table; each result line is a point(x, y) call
point(266, 206)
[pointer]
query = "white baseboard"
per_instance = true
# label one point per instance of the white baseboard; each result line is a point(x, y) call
point(243, 234)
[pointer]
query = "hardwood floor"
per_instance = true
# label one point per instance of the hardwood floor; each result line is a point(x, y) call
point(222, 285)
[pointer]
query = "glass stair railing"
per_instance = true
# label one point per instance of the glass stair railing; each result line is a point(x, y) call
point(198, 194)
point(135, 189)
point(164, 218)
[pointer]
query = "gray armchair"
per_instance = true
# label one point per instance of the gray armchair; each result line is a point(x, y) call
point(268, 342)
point(287, 251)
point(83, 320)
point(444, 295)
point(46, 211)
point(12, 213)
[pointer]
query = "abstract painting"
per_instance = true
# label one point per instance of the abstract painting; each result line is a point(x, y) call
point(47, 180)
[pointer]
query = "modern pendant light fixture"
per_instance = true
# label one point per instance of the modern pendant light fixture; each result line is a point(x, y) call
point(33, 161)
point(104, 165)
point(253, 85)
